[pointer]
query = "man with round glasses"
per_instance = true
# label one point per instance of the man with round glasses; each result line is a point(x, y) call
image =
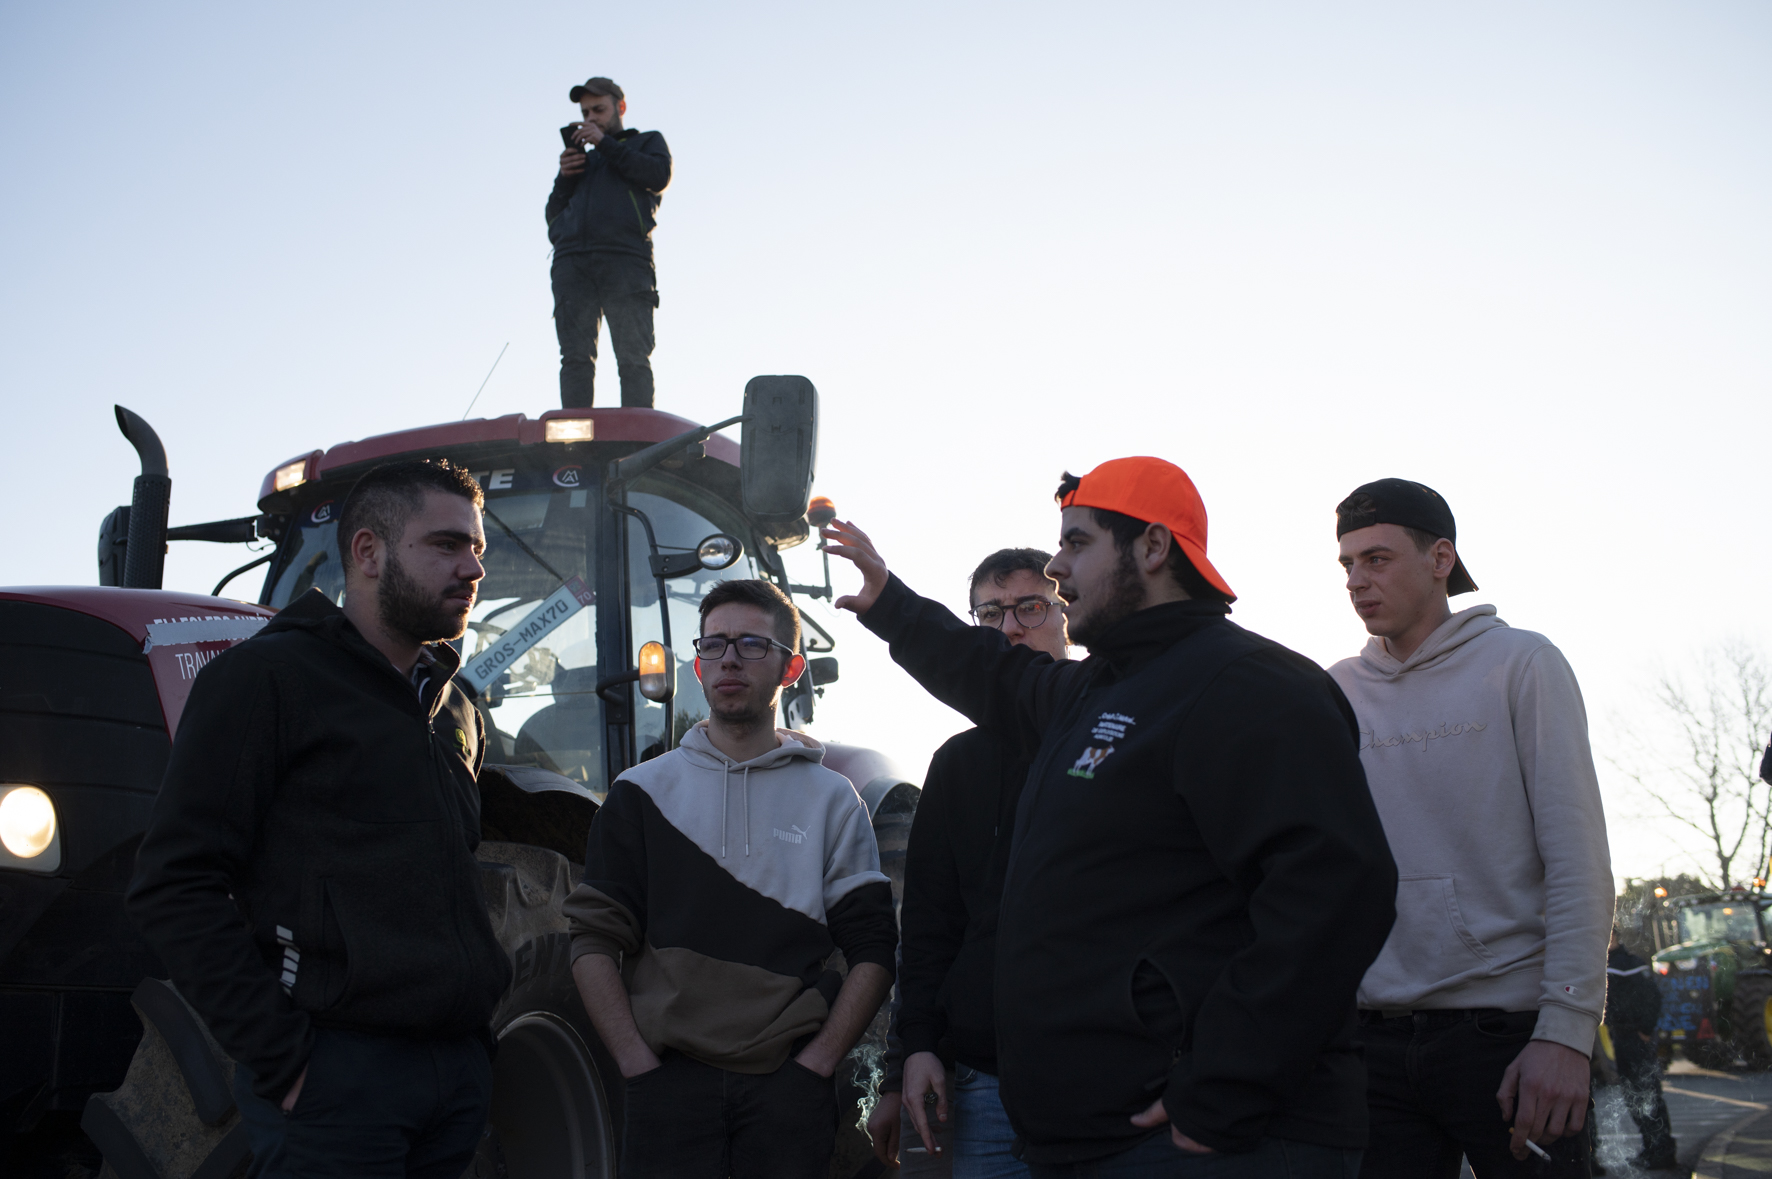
point(954, 866)
point(718, 879)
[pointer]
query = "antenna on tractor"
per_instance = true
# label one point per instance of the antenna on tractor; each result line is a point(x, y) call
point(482, 388)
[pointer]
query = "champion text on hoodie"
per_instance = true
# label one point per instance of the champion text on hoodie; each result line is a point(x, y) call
point(1476, 751)
point(722, 888)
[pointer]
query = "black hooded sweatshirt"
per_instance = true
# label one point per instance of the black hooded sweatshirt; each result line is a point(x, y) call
point(311, 782)
point(953, 883)
point(1198, 880)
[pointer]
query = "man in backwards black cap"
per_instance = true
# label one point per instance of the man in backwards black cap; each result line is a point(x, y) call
point(1479, 1015)
point(600, 219)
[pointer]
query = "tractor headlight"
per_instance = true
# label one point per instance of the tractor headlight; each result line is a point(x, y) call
point(29, 834)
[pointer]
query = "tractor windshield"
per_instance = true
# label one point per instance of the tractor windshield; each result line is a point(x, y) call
point(1719, 923)
point(531, 647)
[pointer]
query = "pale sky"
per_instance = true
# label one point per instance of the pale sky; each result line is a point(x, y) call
point(1518, 252)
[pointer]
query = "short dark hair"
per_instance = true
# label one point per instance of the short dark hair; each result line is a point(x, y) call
point(763, 595)
point(997, 567)
point(1126, 529)
point(389, 496)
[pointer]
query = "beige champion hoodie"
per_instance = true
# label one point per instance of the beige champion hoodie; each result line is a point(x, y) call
point(1477, 755)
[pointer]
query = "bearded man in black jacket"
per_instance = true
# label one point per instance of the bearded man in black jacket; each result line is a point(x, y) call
point(600, 219)
point(1198, 877)
point(308, 875)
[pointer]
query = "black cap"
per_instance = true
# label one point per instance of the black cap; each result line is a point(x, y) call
point(1410, 505)
point(597, 86)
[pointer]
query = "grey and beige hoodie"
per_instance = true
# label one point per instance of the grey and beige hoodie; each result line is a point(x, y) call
point(1476, 751)
point(721, 888)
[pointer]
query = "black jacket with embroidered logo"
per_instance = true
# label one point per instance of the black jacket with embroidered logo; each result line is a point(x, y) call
point(1198, 881)
point(310, 781)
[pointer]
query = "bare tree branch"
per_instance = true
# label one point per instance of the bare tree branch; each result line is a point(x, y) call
point(1695, 753)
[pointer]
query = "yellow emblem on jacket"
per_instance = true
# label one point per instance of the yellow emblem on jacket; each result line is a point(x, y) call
point(461, 741)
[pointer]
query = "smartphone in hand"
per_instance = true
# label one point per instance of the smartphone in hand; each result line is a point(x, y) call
point(566, 133)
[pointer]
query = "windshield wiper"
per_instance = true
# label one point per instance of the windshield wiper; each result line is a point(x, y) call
point(518, 541)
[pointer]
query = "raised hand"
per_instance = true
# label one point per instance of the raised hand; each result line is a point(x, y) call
point(844, 539)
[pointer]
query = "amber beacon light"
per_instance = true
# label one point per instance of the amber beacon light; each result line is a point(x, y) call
point(658, 672)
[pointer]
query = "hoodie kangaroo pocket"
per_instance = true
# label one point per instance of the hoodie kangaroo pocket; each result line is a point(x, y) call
point(1429, 946)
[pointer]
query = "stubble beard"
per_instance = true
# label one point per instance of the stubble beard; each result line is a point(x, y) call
point(406, 609)
point(1124, 599)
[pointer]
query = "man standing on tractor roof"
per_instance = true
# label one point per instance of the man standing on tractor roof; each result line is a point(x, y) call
point(1479, 1016)
point(308, 875)
point(953, 885)
point(600, 219)
point(718, 879)
point(1198, 878)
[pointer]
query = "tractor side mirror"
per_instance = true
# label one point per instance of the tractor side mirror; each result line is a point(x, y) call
point(779, 446)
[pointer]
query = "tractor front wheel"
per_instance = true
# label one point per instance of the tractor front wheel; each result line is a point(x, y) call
point(1752, 1016)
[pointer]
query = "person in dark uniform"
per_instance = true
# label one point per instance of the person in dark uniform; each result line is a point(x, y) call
point(600, 219)
point(1633, 1008)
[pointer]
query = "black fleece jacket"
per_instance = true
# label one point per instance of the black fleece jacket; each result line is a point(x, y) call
point(612, 206)
point(1198, 881)
point(953, 882)
point(310, 857)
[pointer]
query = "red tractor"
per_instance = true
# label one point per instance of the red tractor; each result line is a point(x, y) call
point(605, 528)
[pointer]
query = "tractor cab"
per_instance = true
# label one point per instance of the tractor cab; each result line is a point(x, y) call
point(1716, 977)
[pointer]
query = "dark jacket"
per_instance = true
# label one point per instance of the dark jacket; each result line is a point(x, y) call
point(1633, 1001)
point(310, 781)
point(612, 206)
point(1198, 880)
point(953, 882)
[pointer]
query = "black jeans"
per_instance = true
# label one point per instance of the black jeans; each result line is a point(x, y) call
point(689, 1120)
point(1431, 1083)
point(588, 287)
point(1639, 1076)
point(373, 1106)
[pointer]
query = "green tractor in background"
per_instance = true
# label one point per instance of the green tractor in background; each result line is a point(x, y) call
point(1716, 976)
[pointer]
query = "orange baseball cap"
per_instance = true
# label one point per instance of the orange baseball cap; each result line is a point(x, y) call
point(1155, 491)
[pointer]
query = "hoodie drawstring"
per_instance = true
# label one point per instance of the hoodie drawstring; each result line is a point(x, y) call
point(723, 796)
point(747, 810)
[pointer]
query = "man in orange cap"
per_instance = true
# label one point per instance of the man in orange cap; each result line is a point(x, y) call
point(1198, 877)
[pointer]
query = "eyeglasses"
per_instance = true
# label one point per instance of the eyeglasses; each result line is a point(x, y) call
point(1030, 612)
point(749, 646)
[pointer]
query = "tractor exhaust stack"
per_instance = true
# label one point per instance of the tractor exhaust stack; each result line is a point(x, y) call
point(144, 558)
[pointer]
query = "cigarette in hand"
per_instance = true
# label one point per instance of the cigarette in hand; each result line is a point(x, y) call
point(1538, 1150)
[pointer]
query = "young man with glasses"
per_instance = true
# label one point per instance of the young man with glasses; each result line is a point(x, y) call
point(718, 879)
point(953, 884)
